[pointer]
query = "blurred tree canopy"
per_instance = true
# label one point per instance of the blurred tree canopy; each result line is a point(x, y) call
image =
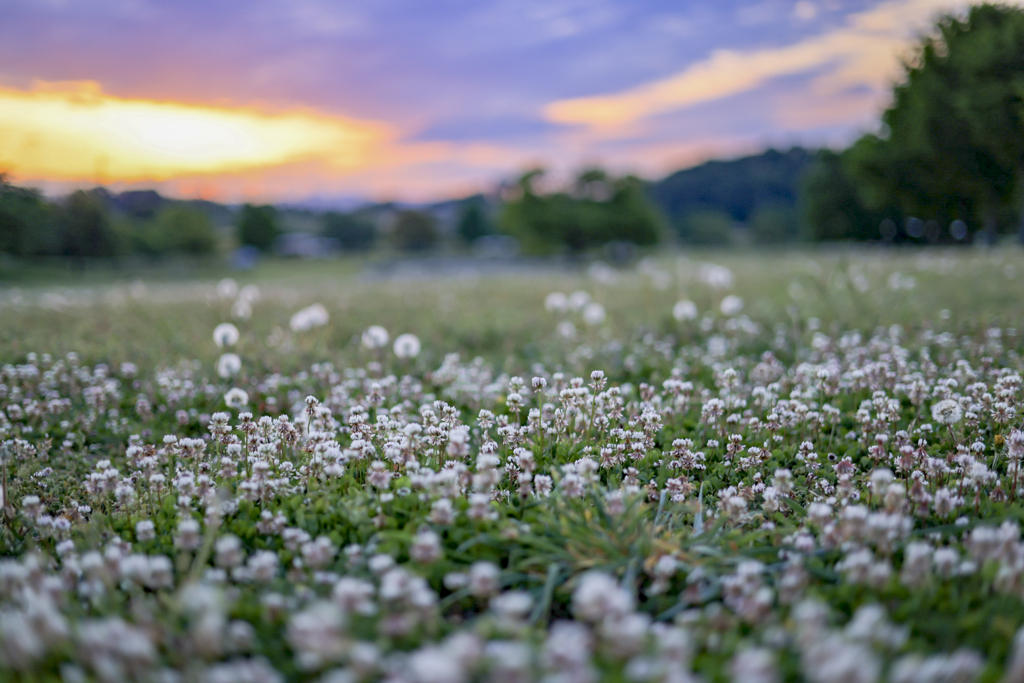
point(84, 228)
point(474, 222)
point(414, 231)
point(353, 231)
point(952, 142)
point(774, 223)
point(595, 210)
point(186, 230)
point(26, 221)
point(831, 203)
point(258, 226)
point(706, 228)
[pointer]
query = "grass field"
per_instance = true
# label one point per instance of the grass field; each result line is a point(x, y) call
point(717, 467)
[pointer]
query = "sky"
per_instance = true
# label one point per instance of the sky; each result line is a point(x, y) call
point(274, 100)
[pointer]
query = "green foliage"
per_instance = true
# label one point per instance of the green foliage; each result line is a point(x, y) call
point(774, 224)
point(952, 144)
point(414, 231)
point(25, 221)
point(707, 228)
point(353, 231)
point(84, 228)
point(831, 205)
point(474, 222)
point(595, 210)
point(186, 230)
point(258, 226)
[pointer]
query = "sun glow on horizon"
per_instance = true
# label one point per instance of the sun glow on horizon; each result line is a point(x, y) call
point(75, 132)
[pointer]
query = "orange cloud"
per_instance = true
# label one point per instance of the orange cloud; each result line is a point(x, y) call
point(863, 52)
point(75, 132)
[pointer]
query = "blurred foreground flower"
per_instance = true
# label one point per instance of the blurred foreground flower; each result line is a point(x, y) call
point(684, 310)
point(228, 365)
point(375, 337)
point(407, 346)
point(236, 398)
point(309, 317)
point(225, 334)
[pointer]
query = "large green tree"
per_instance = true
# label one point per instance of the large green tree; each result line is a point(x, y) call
point(258, 226)
point(952, 142)
point(187, 230)
point(414, 231)
point(25, 221)
point(831, 206)
point(473, 222)
point(354, 232)
point(594, 210)
point(84, 227)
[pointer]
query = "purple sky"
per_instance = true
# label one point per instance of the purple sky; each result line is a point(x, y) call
point(461, 94)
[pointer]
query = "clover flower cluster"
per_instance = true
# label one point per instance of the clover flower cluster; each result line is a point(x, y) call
point(670, 513)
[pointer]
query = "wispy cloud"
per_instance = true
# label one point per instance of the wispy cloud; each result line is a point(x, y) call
point(864, 52)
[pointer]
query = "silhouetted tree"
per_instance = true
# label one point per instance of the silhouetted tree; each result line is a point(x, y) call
point(952, 143)
point(596, 210)
point(832, 207)
point(473, 223)
point(25, 221)
point(353, 232)
point(257, 226)
point(186, 230)
point(83, 227)
point(414, 231)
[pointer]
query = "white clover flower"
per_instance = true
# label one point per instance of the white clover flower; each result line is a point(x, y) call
point(599, 596)
point(684, 310)
point(225, 334)
point(241, 310)
point(432, 664)
point(512, 605)
point(426, 547)
point(578, 299)
point(593, 314)
point(145, 530)
point(228, 365)
point(227, 288)
point(755, 665)
point(556, 302)
point(407, 346)
point(483, 578)
point(309, 317)
point(731, 305)
point(249, 294)
point(236, 398)
point(717, 277)
point(565, 330)
point(317, 634)
point(947, 412)
point(375, 337)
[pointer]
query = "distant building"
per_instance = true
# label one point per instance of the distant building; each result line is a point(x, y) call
point(306, 245)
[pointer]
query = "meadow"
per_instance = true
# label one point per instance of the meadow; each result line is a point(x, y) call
point(700, 467)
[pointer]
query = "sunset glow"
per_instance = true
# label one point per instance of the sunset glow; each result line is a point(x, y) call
point(76, 132)
point(404, 101)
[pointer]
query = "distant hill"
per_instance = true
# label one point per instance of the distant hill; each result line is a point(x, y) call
point(146, 204)
point(737, 187)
